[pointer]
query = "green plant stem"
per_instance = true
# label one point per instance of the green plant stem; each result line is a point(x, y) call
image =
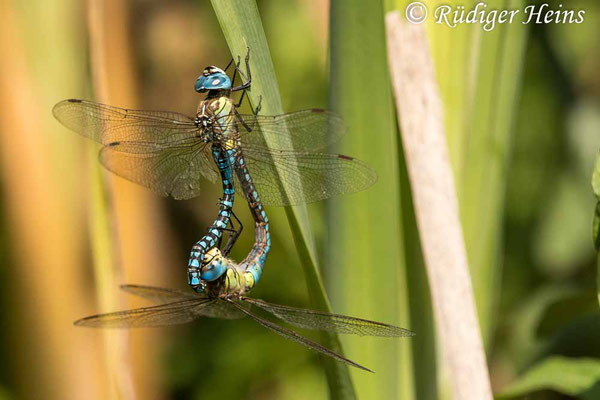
point(365, 266)
point(242, 27)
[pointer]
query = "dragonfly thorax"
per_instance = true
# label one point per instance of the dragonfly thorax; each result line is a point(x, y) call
point(214, 118)
point(206, 125)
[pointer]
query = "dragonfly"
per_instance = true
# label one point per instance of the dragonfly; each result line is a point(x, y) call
point(227, 300)
point(274, 159)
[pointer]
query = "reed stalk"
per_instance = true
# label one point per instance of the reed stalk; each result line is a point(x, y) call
point(242, 27)
point(42, 207)
point(366, 268)
point(422, 121)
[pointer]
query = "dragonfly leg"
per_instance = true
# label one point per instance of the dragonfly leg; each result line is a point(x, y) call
point(228, 65)
point(243, 122)
point(236, 69)
point(255, 111)
point(247, 77)
point(239, 103)
point(258, 106)
point(234, 234)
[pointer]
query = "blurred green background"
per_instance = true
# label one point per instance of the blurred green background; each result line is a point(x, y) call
point(522, 110)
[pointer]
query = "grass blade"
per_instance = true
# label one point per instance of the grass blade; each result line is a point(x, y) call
point(242, 27)
point(102, 220)
point(484, 164)
point(365, 263)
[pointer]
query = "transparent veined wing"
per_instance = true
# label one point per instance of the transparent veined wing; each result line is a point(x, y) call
point(308, 177)
point(179, 312)
point(291, 160)
point(106, 124)
point(306, 130)
point(311, 319)
point(175, 171)
point(156, 149)
point(162, 295)
point(216, 310)
point(295, 337)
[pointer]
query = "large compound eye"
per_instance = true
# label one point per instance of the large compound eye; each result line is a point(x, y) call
point(199, 85)
point(216, 81)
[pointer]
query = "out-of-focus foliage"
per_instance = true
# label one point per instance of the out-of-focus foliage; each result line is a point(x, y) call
point(545, 325)
point(575, 377)
point(365, 253)
point(548, 302)
point(596, 189)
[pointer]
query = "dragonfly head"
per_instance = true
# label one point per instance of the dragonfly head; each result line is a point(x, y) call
point(213, 266)
point(212, 78)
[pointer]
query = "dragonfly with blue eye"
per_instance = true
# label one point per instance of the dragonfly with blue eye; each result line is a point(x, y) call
point(170, 153)
point(226, 298)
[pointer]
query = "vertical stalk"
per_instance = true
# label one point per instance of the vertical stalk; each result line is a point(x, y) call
point(484, 163)
point(365, 268)
point(104, 237)
point(242, 27)
point(42, 207)
point(479, 74)
point(436, 208)
point(139, 227)
point(128, 224)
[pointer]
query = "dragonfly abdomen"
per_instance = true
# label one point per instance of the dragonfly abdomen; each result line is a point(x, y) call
point(253, 264)
point(225, 161)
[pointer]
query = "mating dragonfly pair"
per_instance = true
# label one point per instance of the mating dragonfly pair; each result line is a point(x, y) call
point(272, 160)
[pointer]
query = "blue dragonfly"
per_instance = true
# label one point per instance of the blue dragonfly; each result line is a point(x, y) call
point(226, 298)
point(171, 154)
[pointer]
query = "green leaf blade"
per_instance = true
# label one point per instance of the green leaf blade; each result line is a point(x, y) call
point(242, 27)
point(365, 257)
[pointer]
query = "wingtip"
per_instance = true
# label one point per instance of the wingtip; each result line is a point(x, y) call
point(55, 107)
point(403, 332)
point(375, 177)
point(356, 365)
point(368, 370)
point(128, 287)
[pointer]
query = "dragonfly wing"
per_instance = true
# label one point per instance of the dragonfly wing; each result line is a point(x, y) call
point(217, 309)
point(175, 171)
point(162, 295)
point(106, 124)
point(156, 149)
point(179, 312)
point(223, 310)
point(306, 130)
point(311, 319)
point(308, 177)
point(293, 336)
